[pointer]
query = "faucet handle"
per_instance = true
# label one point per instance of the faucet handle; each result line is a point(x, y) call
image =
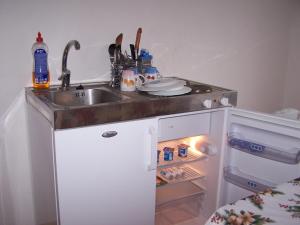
point(65, 74)
point(65, 78)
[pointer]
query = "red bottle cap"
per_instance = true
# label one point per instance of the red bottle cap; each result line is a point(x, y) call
point(39, 38)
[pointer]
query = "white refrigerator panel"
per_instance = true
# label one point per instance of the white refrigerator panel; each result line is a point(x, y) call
point(262, 150)
point(107, 180)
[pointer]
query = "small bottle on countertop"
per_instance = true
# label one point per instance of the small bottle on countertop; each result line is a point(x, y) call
point(40, 72)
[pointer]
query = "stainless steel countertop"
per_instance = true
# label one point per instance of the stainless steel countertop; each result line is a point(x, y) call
point(133, 105)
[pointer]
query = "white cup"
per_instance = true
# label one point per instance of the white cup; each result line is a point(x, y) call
point(130, 80)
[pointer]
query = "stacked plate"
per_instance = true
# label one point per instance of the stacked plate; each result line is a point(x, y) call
point(165, 86)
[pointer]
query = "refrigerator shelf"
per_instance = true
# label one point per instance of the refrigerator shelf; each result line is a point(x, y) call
point(251, 183)
point(172, 193)
point(188, 174)
point(191, 157)
point(289, 156)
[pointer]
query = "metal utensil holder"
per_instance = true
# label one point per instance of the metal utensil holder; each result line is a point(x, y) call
point(119, 63)
point(126, 62)
point(116, 74)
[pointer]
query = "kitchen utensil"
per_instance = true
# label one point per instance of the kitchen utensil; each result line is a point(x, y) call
point(111, 49)
point(132, 51)
point(111, 52)
point(119, 40)
point(137, 41)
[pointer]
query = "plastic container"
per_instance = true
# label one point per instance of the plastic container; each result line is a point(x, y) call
point(40, 72)
point(168, 153)
point(144, 60)
point(182, 150)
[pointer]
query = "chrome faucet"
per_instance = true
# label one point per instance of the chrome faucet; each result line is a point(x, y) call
point(66, 74)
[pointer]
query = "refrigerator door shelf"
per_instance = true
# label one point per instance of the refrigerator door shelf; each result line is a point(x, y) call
point(246, 181)
point(291, 156)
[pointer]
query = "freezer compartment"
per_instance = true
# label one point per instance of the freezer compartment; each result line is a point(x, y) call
point(183, 126)
point(178, 203)
point(251, 183)
point(289, 156)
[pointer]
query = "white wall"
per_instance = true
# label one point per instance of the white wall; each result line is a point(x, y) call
point(292, 84)
point(234, 43)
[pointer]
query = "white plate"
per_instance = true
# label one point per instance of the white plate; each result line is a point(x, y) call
point(183, 90)
point(162, 82)
point(163, 87)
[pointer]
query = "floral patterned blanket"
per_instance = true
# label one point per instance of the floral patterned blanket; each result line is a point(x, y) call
point(280, 205)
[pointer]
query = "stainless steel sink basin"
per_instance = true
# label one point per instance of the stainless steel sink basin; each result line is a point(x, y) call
point(85, 97)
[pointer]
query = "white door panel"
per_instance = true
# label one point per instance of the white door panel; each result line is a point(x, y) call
point(106, 180)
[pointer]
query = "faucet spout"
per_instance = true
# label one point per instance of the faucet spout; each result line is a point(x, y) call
point(66, 74)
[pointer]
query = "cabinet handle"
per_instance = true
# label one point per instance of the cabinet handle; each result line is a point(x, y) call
point(109, 134)
point(153, 149)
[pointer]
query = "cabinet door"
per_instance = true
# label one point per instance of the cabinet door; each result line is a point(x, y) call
point(262, 151)
point(104, 174)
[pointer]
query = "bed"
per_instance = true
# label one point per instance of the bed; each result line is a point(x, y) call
point(279, 205)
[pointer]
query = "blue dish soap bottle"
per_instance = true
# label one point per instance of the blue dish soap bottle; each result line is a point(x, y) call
point(40, 72)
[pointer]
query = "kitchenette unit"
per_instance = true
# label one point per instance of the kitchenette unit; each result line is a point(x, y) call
point(145, 160)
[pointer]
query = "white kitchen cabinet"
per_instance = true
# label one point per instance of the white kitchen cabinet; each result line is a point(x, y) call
point(106, 180)
point(102, 175)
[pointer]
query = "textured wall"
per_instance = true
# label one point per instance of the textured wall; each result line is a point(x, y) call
point(236, 44)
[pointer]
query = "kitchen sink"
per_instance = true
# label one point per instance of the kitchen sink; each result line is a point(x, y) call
point(84, 97)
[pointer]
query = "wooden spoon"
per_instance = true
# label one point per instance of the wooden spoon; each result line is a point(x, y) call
point(138, 40)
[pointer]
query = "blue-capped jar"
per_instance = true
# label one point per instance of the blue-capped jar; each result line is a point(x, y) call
point(168, 153)
point(144, 60)
point(182, 150)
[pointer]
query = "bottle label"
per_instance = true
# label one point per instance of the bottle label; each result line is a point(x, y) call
point(41, 66)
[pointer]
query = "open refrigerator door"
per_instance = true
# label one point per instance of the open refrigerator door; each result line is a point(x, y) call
point(261, 151)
